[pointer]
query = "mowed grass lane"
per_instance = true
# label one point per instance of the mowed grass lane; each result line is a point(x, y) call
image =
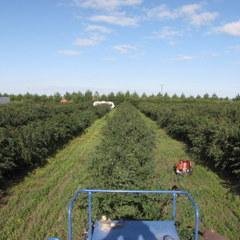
point(36, 207)
point(219, 208)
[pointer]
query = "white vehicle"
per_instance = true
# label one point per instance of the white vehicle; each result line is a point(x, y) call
point(97, 103)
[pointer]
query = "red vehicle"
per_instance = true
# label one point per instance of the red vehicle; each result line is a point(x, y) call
point(183, 167)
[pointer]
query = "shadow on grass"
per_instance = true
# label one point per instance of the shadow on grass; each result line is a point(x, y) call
point(227, 181)
point(19, 175)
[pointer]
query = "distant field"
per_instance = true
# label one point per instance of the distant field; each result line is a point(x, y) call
point(36, 207)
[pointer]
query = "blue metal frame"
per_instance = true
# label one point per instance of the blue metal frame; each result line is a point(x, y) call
point(91, 191)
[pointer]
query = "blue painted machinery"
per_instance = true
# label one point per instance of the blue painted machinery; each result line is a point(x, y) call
point(135, 229)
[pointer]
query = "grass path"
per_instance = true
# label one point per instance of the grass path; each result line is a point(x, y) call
point(219, 209)
point(36, 207)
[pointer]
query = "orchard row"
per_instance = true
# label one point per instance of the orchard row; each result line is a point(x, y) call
point(27, 141)
point(211, 131)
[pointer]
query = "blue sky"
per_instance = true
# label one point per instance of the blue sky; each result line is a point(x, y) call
point(117, 45)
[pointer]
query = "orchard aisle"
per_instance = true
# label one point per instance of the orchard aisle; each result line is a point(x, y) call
point(36, 207)
point(219, 208)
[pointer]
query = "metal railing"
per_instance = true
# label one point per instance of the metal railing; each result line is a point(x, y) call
point(89, 192)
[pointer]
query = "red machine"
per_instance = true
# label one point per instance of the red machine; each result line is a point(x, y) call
point(183, 167)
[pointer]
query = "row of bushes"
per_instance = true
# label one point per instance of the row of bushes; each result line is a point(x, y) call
point(124, 160)
point(211, 132)
point(15, 115)
point(28, 146)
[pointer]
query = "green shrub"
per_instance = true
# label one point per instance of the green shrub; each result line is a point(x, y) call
point(211, 130)
point(24, 147)
point(124, 160)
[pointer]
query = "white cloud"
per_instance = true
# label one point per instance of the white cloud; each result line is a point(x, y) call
point(167, 33)
point(125, 48)
point(189, 9)
point(193, 13)
point(196, 15)
point(232, 28)
point(89, 42)
point(161, 12)
point(106, 4)
point(183, 58)
point(98, 28)
point(109, 59)
point(235, 47)
point(118, 18)
point(204, 18)
point(68, 52)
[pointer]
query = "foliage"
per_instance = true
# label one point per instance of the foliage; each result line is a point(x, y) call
point(118, 97)
point(36, 207)
point(123, 161)
point(212, 131)
point(27, 140)
point(15, 115)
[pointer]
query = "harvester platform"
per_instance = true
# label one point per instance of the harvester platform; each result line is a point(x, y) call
point(135, 230)
point(106, 229)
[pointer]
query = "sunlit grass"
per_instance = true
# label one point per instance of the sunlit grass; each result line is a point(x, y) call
point(36, 207)
point(219, 208)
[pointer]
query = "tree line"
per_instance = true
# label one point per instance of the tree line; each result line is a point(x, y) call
point(118, 97)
